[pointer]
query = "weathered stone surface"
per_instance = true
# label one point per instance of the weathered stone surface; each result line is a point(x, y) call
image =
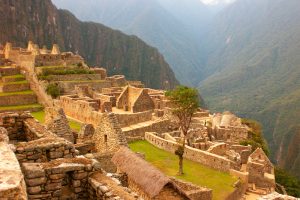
point(80, 175)
point(36, 181)
point(34, 190)
point(53, 186)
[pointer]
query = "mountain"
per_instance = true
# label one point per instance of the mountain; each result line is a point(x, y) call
point(252, 67)
point(41, 22)
point(172, 26)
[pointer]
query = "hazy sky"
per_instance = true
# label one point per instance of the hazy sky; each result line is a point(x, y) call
point(214, 2)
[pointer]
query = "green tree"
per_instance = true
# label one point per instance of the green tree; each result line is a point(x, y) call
point(185, 102)
point(53, 90)
point(255, 136)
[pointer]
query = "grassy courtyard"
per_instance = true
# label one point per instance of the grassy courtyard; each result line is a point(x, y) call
point(221, 183)
point(40, 116)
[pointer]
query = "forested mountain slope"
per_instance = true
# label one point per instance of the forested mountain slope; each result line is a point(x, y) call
point(174, 27)
point(253, 69)
point(41, 22)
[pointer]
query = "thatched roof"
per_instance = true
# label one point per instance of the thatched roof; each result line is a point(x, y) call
point(147, 177)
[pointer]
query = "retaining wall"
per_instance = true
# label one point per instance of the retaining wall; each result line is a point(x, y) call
point(133, 118)
point(203, 157)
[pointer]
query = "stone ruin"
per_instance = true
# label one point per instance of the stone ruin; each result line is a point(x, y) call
point(55, 161)
point(38, 164)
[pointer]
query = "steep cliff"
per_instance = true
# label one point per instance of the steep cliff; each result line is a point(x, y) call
point(41, 22)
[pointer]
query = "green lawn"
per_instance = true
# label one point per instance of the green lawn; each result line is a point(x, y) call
point(40, 116)
point(15, 76)
point(16, 93)
point(221, 183)
point(14, 83)
point(21, 107)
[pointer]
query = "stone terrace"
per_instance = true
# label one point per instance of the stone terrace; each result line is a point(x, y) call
point(15, 92)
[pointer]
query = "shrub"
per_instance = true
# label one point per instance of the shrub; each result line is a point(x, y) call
point(255, 136)
point(53, 90)
point(289, 182)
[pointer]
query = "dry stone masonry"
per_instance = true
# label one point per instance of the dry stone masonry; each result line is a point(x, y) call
point(50, 161)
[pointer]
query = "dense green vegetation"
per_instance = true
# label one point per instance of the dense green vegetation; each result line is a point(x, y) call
point(255, 138)
point(253, 70)
point(53, 90)
point(221, 183)
point(290, 183)
point(47, 72)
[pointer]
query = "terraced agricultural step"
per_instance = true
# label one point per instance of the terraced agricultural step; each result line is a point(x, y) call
point(9, 71)
point(13, 78)
point(17, 98)
point(28, 107)
point(15, 86)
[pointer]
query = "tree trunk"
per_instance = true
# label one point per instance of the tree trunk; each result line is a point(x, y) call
point(180, 172)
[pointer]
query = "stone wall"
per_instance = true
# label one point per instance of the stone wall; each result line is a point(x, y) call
point(69, 86)
point(14, 100)
point(239, 191)
point(127, 119)
point(14, 87)
point(74, 77)
point(108, 136)
point(12, 184)
point(192, 191)
point(44, 150)
point(37, 86)
point(137, 133)
point(203, 157)
point(59, 178)
point(13, 123)
point(102, 187)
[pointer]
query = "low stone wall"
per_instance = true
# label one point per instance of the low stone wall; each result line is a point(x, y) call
point(44, 150)
point(13, 100)
point(102, 187)
point(13, 123)
point(105, 161)
point(203, 157)
point(48, 180)
point(74, 77)
point(192, 191)
point(36, 85)
point(67, 87)
point(133, 118)
point(159, 126)
point(239, 191)
point(9, 71)
point(14, 87)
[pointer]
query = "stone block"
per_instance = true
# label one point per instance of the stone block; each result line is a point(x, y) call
point(80, 175)
point(57, 176)
point(56, 154)
point(76, 183)
point(53, 186)
point(34, 190)
point(36, 181)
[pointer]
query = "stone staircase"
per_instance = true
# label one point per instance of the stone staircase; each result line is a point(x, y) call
point(15, 92)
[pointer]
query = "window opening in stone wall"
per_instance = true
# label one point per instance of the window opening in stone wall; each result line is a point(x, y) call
point(105, 138)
